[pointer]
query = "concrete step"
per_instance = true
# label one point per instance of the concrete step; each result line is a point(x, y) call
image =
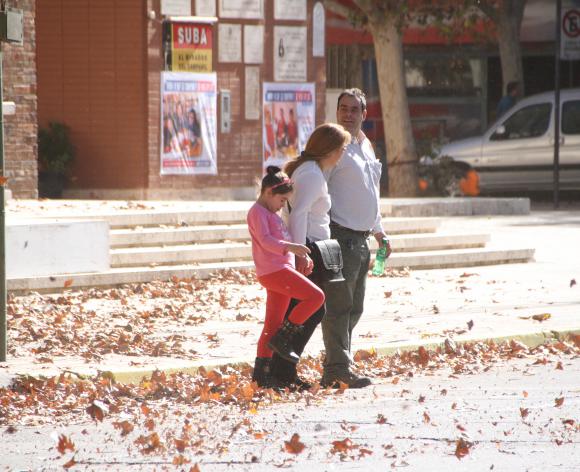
point(398, 225)
point(178, 218)
point(454, 206)
point(460, 258)
point(120, 276)
point(172, 215)
point(169, 235)
point(205, 213)
point(125, 275)
point(219, 252)
point(433, 242)
point(233, 212)
point(234, 209)
point(212, 252)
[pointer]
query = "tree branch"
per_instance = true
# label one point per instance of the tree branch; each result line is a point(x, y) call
point(488, 9)
point(354, 15)
point(339, 8)
point(366, 6)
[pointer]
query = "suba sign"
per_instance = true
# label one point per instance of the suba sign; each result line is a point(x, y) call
point(191, 47)
point(192, 35)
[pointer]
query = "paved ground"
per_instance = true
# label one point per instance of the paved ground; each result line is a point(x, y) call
point(507, 411)
point(222, 320)
point(67, 208)
point(513, 414)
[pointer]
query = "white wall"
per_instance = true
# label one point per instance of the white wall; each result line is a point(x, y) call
point(48, 247)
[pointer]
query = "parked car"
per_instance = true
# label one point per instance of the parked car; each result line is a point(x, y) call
point(517, 151)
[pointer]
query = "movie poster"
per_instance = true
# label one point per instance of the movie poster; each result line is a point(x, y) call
point(188, 127)
point(288, 119)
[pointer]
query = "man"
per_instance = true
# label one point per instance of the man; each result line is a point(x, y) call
point(355, 214)
point(508, 100)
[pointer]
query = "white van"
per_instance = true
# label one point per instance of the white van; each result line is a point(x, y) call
point(517, 151)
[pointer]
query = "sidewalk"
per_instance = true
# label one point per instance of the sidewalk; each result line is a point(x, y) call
point(218, 323)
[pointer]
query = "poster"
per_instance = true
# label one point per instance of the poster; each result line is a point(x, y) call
point(229, 42)
point(253, 44)
point(290, 10)
point(248, 9)
point(188, 127)
point(288, 120)
point(191, 47)
point(290, 53)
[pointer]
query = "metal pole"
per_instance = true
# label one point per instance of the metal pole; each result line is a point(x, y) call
point(3, 327)
point(557, 106)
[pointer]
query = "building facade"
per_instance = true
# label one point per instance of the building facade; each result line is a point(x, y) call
point(100, 64)
point(97, 66)
point(20, 129)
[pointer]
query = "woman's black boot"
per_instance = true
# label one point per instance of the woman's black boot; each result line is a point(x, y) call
point(281, 342)
point(286, 372)
point(262, 377)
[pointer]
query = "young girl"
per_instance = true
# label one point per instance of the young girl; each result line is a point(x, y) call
point(309, 221)
point(273, 254)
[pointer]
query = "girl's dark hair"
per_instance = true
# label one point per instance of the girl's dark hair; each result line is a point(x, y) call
point(325, 139)
point(277, 180)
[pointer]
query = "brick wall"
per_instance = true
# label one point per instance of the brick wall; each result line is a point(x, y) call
point(240, 151)
point(99, 70)
point(91, 61)
point(19, 86)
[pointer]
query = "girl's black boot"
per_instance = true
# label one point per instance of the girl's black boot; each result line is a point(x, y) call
point(282, 344)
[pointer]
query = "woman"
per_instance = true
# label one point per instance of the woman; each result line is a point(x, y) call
point(308, 220)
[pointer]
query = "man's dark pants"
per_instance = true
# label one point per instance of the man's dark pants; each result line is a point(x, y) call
point(339, 314)
point(345, 303)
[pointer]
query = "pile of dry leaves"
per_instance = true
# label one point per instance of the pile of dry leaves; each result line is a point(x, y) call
point(215, 401)
point(135, 320)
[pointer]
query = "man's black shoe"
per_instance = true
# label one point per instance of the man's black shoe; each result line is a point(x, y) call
point(349, 378)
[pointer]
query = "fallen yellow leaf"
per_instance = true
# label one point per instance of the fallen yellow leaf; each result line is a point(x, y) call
point(542, 317)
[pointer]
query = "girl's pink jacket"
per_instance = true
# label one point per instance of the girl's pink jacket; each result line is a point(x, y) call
point(269, 233)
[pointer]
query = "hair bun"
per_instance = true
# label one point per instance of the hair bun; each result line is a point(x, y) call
point(273, 170)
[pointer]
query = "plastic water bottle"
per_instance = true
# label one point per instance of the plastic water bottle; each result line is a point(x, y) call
point(380, 258)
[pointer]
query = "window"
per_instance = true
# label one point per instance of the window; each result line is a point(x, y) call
point(443, 76)
point(529, 122)
point(571, 117)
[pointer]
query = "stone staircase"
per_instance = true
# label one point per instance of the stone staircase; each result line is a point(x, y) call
point(222, 243)
point(157, 245)
point(415, 241)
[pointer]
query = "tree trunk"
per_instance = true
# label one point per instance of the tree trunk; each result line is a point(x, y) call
point(509, 22)
point(399, 141)
point(354, 61)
